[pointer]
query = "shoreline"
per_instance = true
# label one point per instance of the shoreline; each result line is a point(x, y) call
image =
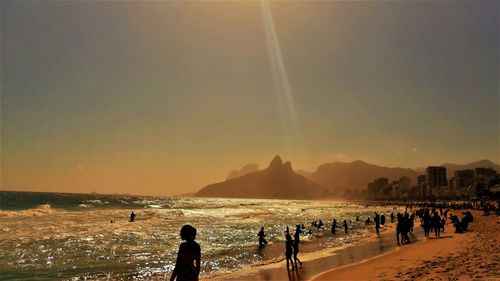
point(380, 258)
point(373, 246)
point(453, 256)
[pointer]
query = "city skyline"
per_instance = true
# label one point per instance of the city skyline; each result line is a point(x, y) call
point(166, 97)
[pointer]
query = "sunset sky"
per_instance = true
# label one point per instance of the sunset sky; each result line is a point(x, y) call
point(166, 97)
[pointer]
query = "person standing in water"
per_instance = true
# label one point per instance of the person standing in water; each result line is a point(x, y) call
point(262, 240)
point(132, 217)
point(288, 249)
point(377, 223)
point(187, 265)
point(334, 226)
point(345, 226)
point(296, 242)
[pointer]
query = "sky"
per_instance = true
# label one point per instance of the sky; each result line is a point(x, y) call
point(166, 97)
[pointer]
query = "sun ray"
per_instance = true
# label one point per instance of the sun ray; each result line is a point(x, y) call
point(292, 133)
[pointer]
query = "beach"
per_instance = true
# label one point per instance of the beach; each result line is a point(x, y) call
point(71, 236)
point(473, 255)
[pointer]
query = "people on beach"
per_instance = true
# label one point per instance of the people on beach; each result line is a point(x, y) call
point(288, 249)
point(346, 228)
point(368, 221)
point(320, 224)
point(376, 218)
point(334, 226)
point(296, 242)
point(426, 222)
point(187, 265)
point(382, 219)
point(392, 217)
point(411, 223)
point(402, 229)
point(132, 217)
point(262, 240)
point(436, 223)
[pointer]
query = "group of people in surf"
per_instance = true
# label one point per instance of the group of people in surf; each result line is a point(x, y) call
point(187, 266)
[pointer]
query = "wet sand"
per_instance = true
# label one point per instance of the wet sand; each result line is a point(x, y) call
point(474, 255)
point(383, 244)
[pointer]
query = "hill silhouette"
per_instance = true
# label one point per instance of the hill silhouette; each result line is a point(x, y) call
point(329, 180)
point(277, 181)
point(340, 176)
point(249, 168)
point(451, 168)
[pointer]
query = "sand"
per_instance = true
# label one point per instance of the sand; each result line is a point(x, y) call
point(474, 255)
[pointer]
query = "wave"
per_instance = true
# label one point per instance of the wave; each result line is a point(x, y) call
point(40, 210)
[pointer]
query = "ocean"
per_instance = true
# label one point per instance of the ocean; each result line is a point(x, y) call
point(60, 236)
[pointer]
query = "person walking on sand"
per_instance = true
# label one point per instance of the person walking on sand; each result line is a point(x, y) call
point(436, 224)
point(426, 223)
point(187, 265)
point(288, 249)
point(262, 240)
point(296, 242)
point(346, 228)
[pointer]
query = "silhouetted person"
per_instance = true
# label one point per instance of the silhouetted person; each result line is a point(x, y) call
point(320, 224)
point(262, 240)
point(377, 223)
point(334, 226)
point(456, 223)
point(288, 249)
point(392, 217)
point(357, 218)
point(368, 221)
point(132, 217)
point(296, 241)
point(382, 219)
point(399, 228)
point(436, 223)
point(411, 223)
point(426, 223)
point(187, 265)
point(346, 228)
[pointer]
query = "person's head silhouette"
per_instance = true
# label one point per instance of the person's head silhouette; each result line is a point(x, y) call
point(188, 232)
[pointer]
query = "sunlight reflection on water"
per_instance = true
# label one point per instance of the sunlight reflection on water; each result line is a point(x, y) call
point(59, 243)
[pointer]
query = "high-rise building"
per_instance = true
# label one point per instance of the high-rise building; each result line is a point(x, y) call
point(378, 188)
point(436, 176)
point(404, 184)
point(484, 175)
point(422, 185)
point(463, 178)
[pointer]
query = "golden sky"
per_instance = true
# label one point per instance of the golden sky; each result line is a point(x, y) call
point(166, 97)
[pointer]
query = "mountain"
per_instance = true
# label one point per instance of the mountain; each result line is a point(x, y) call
point(451, 168)
point(277, 181)
point(339, 176)
point(247, 169)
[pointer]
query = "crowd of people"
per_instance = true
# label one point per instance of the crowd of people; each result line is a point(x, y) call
point(432, 217)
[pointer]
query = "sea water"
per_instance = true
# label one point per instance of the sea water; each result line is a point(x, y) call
point(47, 236)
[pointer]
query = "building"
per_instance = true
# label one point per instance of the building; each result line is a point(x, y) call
point(436, 176)
point(422, 186)
point(484, 175)
point(404, 184)
point(463, 178)
point(378, 188)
